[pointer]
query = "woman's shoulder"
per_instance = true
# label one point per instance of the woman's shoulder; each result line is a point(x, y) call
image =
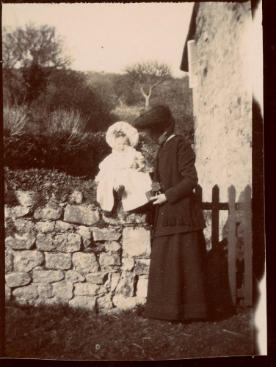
point(177, 141)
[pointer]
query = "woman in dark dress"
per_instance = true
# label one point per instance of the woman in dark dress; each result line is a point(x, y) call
point(176, 288)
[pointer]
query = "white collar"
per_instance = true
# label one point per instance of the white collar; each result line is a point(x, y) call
point(169, 138)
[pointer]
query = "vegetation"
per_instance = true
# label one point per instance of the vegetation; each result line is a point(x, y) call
point(55, 118)
point(147, 76)
point(60, 332)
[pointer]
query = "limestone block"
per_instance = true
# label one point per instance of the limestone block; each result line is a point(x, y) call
point(45, 227)
point(8, 261)
point(20, 242)
point(48, 213)
point(73, 243)
point(81, 214)
point(142, 287)
point(142, 266)
point(45, 242)
point(84, 232)
point(17, 279)
point(7, 293)
point(83, 302)
point(105, 302)
point(126, 285)
point(85, 262)
point(44, 290)
point(23, 225)
point(58, 261)
point(68, 242)
point(107, 260)
point(96, 278)
point(27, 260)
point(112, 246)
point(136, 242)
point(46, 301)
point(86, 289)
point(47, 276)
point(73, 276)
point(106, 234)
point(7, 211)
point(63, 226)
point(114, 281)
point(141, 300)
point(76, 197)
point(26, 293)
point(63, 290)
point(127, 264)
point(26, 198)
point(19, 211)
point(124, 303)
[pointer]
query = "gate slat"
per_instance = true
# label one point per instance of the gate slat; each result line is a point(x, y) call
point(215, 216)
point(247, 224)
point(231, 240)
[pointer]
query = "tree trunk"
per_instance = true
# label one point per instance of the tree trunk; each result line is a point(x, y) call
point(147, 99)
point(146, 96)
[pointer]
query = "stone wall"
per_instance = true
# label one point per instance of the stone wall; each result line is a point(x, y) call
point(70, 252)
point(222, 99)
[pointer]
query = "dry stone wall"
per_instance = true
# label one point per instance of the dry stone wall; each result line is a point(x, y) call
point(72, 253)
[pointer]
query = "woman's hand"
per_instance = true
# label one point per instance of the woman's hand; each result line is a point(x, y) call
point(159, 199)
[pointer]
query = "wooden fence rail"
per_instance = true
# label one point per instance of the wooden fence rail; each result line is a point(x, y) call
point(244, 207)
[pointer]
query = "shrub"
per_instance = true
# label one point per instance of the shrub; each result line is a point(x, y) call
point(15, 119)
point(65, 121)
point(46, 183)
point(75, 154)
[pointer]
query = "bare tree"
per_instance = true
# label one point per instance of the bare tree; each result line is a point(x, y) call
point(33, 45)
point(147, 76)
point(32, 53)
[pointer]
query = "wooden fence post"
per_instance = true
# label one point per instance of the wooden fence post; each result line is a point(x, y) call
point(215, 216)
point(231, 240)
point(198, 193)
point(247, 238)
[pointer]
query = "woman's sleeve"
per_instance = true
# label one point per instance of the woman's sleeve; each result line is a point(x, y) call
point(186, 166)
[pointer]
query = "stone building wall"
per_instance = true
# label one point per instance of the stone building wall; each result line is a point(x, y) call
point(70, 252)
point(222, 97)
point(221, 63)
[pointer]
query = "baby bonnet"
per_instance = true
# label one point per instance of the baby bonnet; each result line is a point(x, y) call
point(126, 129)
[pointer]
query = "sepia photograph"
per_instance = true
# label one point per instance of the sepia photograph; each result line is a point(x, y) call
point(133, 180)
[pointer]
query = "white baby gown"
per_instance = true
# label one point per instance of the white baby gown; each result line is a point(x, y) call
point(123, 168)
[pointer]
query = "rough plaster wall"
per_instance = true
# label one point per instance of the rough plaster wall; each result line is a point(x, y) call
point(222, 97)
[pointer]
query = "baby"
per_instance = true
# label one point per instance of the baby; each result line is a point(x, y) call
point(123, 170)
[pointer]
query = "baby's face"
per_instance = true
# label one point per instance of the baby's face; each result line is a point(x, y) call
point(121, 143)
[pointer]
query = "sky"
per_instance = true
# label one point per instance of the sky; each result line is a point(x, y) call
point(110, 36)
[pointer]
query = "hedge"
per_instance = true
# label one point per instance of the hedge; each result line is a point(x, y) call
point(77, 155)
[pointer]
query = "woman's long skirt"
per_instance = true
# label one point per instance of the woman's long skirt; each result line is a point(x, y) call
point(177, 283)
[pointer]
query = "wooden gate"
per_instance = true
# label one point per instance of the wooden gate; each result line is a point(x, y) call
point(245, 293)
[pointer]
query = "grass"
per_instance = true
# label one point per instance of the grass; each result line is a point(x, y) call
point(59, 332)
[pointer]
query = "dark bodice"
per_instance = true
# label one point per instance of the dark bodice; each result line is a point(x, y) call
point(175, 170)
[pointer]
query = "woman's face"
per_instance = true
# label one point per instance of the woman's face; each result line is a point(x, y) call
point(152, 136)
